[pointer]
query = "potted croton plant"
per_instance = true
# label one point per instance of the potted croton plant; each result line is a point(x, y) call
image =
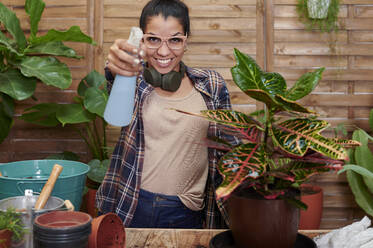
point(282, 146)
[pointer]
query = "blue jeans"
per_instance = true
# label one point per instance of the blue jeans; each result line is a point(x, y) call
point(164, 211)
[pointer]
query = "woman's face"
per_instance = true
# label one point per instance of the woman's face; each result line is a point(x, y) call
point(164, 59)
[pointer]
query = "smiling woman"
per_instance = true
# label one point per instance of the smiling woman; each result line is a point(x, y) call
point(161, 174)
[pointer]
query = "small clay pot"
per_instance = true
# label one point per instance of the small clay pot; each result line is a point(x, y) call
point(5, 238)
point(107, 231)
point(312, 196)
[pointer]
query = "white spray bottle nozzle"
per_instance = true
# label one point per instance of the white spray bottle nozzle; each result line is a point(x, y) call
point(135, 36)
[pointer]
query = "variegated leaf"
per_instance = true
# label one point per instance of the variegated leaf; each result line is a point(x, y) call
point(296, 136)
point(244, 161)
point(229, 117)
point(264, 97)
point(304, 170)
point(273, 83)
point(291, 105)
point(346, 143)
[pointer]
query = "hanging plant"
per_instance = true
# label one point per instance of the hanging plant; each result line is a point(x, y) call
point(319, 14)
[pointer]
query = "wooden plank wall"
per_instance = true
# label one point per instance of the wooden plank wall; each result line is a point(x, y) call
point(28, 141)
point(268, 30)
point(345, 93)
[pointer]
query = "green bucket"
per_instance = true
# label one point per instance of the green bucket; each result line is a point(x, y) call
point(33, 174)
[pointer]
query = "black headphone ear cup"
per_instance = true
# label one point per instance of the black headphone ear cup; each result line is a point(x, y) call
point(171, 81)
point(152, 76)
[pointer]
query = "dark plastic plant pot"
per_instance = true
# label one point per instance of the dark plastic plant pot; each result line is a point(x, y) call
point(107, 231)
point(258, 222)
point(5, 238)
point(62, 229)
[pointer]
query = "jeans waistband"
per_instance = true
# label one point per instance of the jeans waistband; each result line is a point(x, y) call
point(170, 200)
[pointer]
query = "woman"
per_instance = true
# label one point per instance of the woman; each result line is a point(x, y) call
point(161, 175)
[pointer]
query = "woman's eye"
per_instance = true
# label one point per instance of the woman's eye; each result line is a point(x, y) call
point(154, 40)
point(175, 40)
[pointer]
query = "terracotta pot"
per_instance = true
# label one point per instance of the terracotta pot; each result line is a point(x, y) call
point(5, 238)
point(107, 231)
point(261, 223)
point(90, 201)
point(311, 195)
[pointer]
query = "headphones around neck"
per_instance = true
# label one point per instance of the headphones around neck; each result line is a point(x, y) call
point(170, 81)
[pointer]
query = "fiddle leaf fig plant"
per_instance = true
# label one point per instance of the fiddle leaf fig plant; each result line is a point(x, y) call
point(24, 61)
point(280, 150)
point(85, 114)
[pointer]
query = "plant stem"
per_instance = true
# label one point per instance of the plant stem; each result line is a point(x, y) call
point(98, 140)
point(94, 144)
point(90, 147)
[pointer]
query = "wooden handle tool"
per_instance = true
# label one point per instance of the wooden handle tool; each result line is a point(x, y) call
point(48, 187)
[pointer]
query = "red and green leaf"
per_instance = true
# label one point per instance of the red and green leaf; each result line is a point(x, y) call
point(244, 161)
point(296, 136)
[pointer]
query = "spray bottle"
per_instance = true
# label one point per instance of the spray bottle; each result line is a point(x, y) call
point(119, 108)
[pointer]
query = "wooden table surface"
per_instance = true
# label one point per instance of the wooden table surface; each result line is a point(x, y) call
point(180, 238)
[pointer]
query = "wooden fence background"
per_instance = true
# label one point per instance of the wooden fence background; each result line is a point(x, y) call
point(268, 30)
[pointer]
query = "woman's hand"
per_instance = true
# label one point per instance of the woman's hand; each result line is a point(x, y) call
point(124, 59)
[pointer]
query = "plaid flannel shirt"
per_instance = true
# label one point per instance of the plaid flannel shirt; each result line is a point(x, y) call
point(119, 190)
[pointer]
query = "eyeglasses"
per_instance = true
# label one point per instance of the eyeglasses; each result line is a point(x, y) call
point(155, 42)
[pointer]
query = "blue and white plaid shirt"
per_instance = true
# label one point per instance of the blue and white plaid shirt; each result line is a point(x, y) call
point(119, 190)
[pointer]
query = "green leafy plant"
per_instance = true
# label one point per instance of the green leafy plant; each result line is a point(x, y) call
point(360, 170)
point(25, 61)
point(11, 220)
point(327, 24)
point(86, 116)
point(283, 150)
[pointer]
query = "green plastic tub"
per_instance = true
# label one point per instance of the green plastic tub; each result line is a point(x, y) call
point(33, 174)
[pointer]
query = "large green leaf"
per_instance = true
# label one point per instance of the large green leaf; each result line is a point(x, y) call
point(244, 161)
point(73, 34)
point(48, 69)
point(6, 116)
point(56, 48)
point(98, 169)
point(363, 155)
point(14, 84)
point(34, 8)
point(304, 85)
point(296, 136)
point(246, 73)
point(93, 79)
point(43, 114)
point(11, 23)
point(8, 44)
point(95, 100)
point(73, 113)
point(362, 195)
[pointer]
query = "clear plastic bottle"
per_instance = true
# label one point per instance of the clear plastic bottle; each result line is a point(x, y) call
point(119, 108)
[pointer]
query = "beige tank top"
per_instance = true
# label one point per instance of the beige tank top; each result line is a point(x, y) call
point(175, 160)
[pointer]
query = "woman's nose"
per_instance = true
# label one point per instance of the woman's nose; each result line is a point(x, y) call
point(164, 50)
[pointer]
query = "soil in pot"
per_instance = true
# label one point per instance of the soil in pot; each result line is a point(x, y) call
point(261, 223)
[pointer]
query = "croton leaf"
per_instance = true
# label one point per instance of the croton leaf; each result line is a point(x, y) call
point(304, 85)
point(73, 113)
point(73, 34)
point(48, 69)
point(291, 105)
point(229, 117)
point(14, 84)
point(296, 136)
point(95, 100)
point(11, 23)
point(273, 83)
point(34, 8)
point(264, 97)
point(43, 114)
point(244, 161)
point(304, 170)
point(56, 48)
point(246, 73)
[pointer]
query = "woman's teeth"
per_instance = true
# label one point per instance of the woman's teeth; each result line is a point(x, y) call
point(164, 61)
